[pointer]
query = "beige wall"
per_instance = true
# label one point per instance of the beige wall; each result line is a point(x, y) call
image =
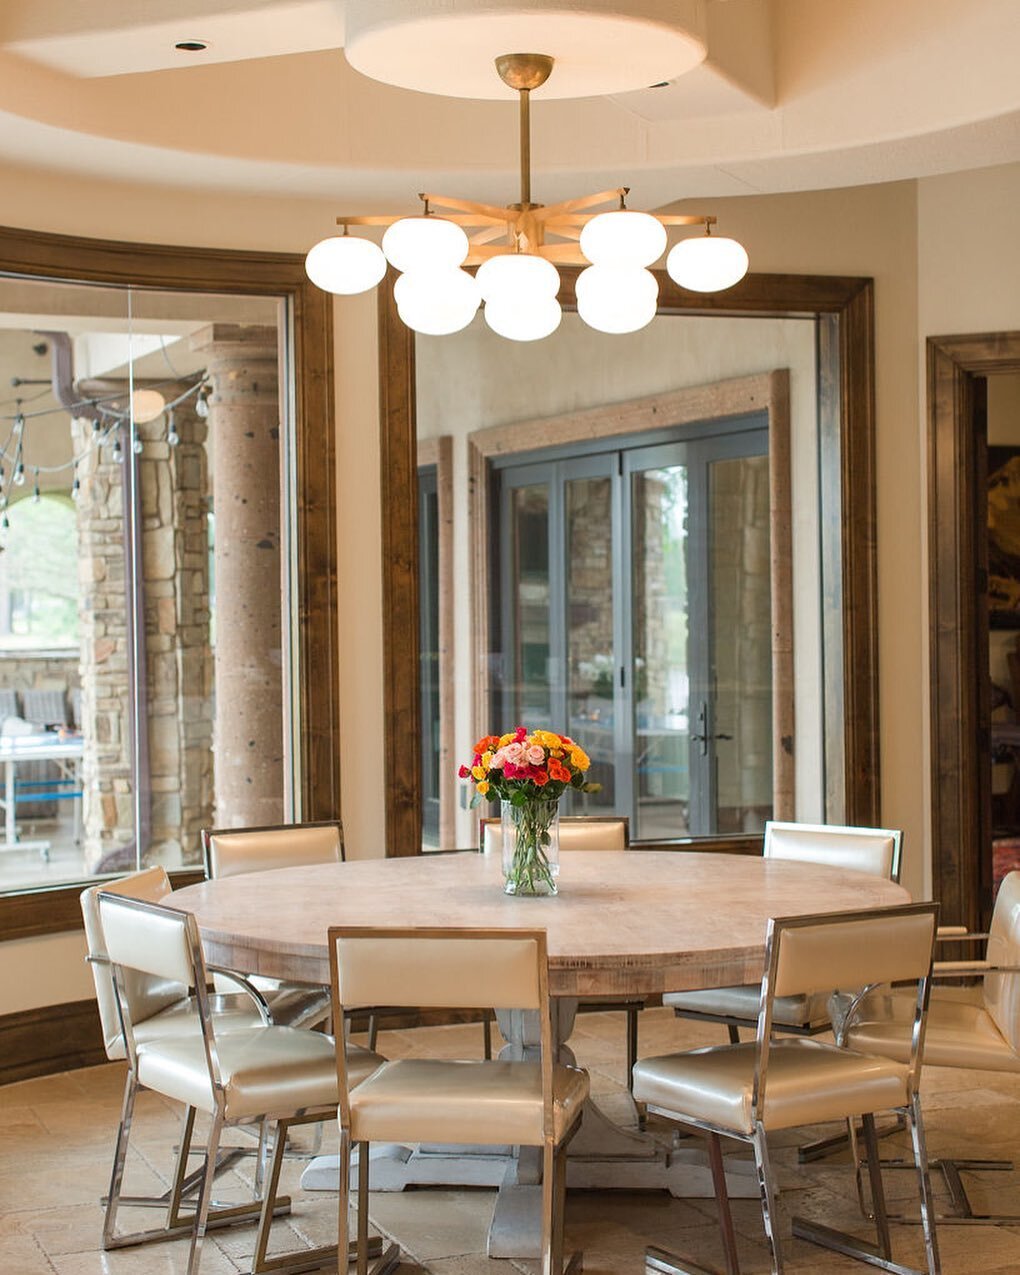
point(959, 228)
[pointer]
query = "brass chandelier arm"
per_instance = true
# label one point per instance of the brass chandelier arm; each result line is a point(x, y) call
point(490, 211)
point(487, 235)
point(583, 201)
point(461, 219)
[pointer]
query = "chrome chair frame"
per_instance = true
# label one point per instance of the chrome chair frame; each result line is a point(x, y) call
point(176, 1197)
point(554, 1159)
point(949, 1167)
point(206, 1215)
point(878, 1254)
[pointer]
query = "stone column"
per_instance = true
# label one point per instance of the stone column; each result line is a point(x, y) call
point(244, 433)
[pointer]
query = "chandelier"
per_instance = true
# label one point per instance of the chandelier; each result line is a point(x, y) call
point(517, 250)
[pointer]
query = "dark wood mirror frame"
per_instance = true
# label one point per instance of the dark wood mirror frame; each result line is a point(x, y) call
point(958, 622)
point(844, 311)
point(73, 260)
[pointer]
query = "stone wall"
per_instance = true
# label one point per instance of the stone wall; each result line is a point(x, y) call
point(39, 670)
point(173, 491)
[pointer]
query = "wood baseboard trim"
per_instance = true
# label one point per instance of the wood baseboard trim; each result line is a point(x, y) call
point(40, 1042)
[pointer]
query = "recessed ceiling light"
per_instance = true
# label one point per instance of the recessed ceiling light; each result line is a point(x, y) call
point(192, 46)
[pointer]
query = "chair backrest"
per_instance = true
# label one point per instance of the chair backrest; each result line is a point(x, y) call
point(577, 832)
point(149, 995)
point(847, 951)
point(874, 850)
point(8, 702)
point(431, 968)
point(164, 943)
point(44, 708)
point(230, 851)
point(1002, 991)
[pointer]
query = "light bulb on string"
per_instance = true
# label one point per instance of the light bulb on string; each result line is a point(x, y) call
point(138, 447)
point(202, 402)
point(76, 485)
point(5, 522)
point(36, 494)
point(19, 474)
point(96, 424)
point(117, 455)
point(172, 436)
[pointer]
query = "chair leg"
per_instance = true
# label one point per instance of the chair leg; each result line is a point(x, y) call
point(119, 1160)
point(877, 1189)
point(931, 1244)
point(734, 1034)
point(205, 1198)
point(363, 1166)
point(343, 1230)
point(722, 1195)
point(768, 1201)
point(373, 1030)
point(549, 1210)
point(487, 1038)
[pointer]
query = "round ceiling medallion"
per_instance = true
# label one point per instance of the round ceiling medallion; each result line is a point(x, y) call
point(449, 46)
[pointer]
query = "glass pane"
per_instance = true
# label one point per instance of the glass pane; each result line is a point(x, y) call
point(741, 626)
point(660, 676)
point(141, 686)
point(591, 659)
point(531, 688)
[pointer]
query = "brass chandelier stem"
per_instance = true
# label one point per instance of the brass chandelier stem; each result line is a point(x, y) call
point(525, 148)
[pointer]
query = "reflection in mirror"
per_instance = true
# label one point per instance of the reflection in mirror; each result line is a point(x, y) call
point(142, 656)
point(621, 548)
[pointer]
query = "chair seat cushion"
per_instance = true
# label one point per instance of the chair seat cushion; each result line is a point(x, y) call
point(960, 1032)
point(490, 1103)
point(742, 1002)
point(808, 1082)
point(266, 1071)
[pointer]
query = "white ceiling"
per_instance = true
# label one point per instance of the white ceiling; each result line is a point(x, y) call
point(792, 94)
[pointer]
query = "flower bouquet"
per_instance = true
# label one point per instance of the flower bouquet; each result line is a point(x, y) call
point(528, 773)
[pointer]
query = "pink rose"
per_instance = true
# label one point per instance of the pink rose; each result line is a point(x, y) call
point(514, 754)
point(536, 755)
point(498, 758)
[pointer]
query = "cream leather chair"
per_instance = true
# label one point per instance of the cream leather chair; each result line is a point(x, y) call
point(244, 1076)
point(162, 1008)
point(747, 1091)
point(976, 1028)
point(231, 851)
point(586, 832)
point(535, 1104)
point(874, 850)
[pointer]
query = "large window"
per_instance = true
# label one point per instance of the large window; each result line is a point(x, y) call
point(39, 576)
point(633, 605)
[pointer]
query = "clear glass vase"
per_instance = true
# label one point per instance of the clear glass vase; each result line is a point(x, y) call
point(531, 847)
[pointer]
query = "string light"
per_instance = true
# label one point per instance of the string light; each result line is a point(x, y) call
point(19, 474)
point(75, 486)
point(172, 436)
point(36, 495)
point(118, 454)
point(202, 402)
point(138, 447)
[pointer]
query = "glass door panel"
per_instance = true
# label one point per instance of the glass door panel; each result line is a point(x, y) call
point(590, 635)
point(529, 697)
point(659, 667)
point(741, 674)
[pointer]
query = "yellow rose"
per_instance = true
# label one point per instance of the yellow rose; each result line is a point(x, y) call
point(483, 787)
point(478, 772)
point(486, 760)
point(506, 739)
point(580, 758)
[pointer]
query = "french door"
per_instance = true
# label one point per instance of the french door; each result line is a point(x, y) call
point(634, 614)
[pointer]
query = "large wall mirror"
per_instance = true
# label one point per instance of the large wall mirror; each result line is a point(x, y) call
point(167, 573)
point(659, 543)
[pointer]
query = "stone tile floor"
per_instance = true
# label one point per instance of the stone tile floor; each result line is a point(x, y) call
point(57, 1139)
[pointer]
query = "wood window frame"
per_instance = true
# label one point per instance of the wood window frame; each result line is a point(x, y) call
point(843, 308)
point(957, 603)
point(68, 259)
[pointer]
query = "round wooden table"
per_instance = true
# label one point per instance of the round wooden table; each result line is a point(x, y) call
point(632, 922)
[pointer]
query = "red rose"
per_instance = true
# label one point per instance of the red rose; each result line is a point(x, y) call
point(464, 772)
point(540, 778)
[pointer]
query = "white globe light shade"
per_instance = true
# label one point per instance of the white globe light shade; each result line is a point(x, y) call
point(517, 275)
point(146, 405)
point(345, 264)
point(623, 238)
point(708, 264)
point(617, 298)
point(528, 319)
point(425, 243)
point(437, 302)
